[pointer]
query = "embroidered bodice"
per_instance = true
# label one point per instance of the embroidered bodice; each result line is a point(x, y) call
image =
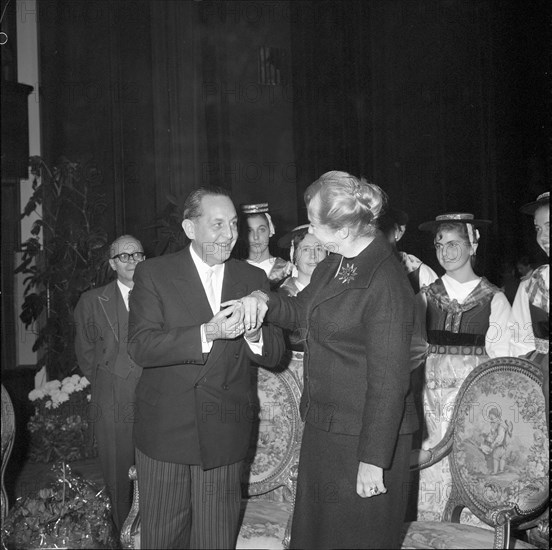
point(450, 322)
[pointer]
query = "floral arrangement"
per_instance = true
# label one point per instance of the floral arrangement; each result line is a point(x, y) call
point(69, 513)
point(60, 427)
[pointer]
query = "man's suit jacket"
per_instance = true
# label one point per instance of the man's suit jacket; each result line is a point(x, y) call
point(192, 408)
point(99, 333)
point(358, 324)
point(101, 347)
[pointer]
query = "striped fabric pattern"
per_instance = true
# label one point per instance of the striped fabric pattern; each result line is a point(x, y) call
point(184, 506)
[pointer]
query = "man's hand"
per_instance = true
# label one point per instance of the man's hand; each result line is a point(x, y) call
point(254, 309)
point(369, 480)
point(227, 324)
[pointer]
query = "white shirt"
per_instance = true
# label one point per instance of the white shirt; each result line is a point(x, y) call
point(125, 290)
point(300, 286)
point(427, 276)
point(203, 270)
point(265, 265)
point(218, 277)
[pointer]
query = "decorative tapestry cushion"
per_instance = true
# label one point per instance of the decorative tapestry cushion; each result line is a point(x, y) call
point(435, 534)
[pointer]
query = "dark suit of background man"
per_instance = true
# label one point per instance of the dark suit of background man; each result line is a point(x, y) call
point(101, 318)
point(194, 402)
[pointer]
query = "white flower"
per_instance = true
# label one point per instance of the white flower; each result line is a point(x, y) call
point(48, 404)
point(89, 397)
point(52, 385)
point(84, 382)
point(55, 396)
point(75, 379)
point(62, 397)
point(68, 387)
point(36, 394)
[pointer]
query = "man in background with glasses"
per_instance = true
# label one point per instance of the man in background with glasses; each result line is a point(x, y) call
point(101, 339)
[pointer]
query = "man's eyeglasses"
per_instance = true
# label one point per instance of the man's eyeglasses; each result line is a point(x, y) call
point(125, 257)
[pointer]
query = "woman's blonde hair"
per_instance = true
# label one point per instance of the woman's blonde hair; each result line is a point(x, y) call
point(346, 201)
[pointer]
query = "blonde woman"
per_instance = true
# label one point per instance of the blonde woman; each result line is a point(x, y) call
point(358, 419)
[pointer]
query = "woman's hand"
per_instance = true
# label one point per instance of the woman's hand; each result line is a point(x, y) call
point(370, 480)
point(254, 309)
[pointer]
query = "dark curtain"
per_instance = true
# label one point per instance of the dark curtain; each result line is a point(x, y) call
point(441, 103)
point(332, 90)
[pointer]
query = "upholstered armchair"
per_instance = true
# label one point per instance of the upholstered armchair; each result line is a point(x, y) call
point(502, 481)
point(270, 476)
point(8, 436)
point(271, 468)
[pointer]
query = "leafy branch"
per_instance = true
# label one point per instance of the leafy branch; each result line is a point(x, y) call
point(62, 258)
point(168, 224)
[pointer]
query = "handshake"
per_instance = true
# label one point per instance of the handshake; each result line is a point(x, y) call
point(239, 317)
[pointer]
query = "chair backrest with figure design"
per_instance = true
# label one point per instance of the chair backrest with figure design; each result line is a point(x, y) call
point(498, 451)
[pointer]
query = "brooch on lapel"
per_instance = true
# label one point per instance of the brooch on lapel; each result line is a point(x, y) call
point(347, 273)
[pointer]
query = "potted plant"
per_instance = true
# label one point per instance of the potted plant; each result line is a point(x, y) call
point(62, 258)
point(59, 427)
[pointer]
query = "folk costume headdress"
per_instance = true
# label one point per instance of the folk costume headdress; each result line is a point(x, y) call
point(542, 200)
point(260, 208)
point(288, 240)
point(472, 224)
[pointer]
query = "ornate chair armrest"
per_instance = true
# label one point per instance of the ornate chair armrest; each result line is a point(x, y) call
point(437, 453)
point(292, 485)
point(132, 523)
point(433, 456)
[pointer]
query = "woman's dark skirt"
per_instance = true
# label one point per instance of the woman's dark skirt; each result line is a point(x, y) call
point(329, 513)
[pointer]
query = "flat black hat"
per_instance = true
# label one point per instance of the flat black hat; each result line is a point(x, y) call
point(285, 241)
point(531, 207)
point(456, 217)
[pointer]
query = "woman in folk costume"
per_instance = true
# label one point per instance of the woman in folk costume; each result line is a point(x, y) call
point(259, 230)
point(466, 324)
point(305, 252)
point(529, 323)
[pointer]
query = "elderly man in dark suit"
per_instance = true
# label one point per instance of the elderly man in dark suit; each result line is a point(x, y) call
point(101, 318)
point(194, 401)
